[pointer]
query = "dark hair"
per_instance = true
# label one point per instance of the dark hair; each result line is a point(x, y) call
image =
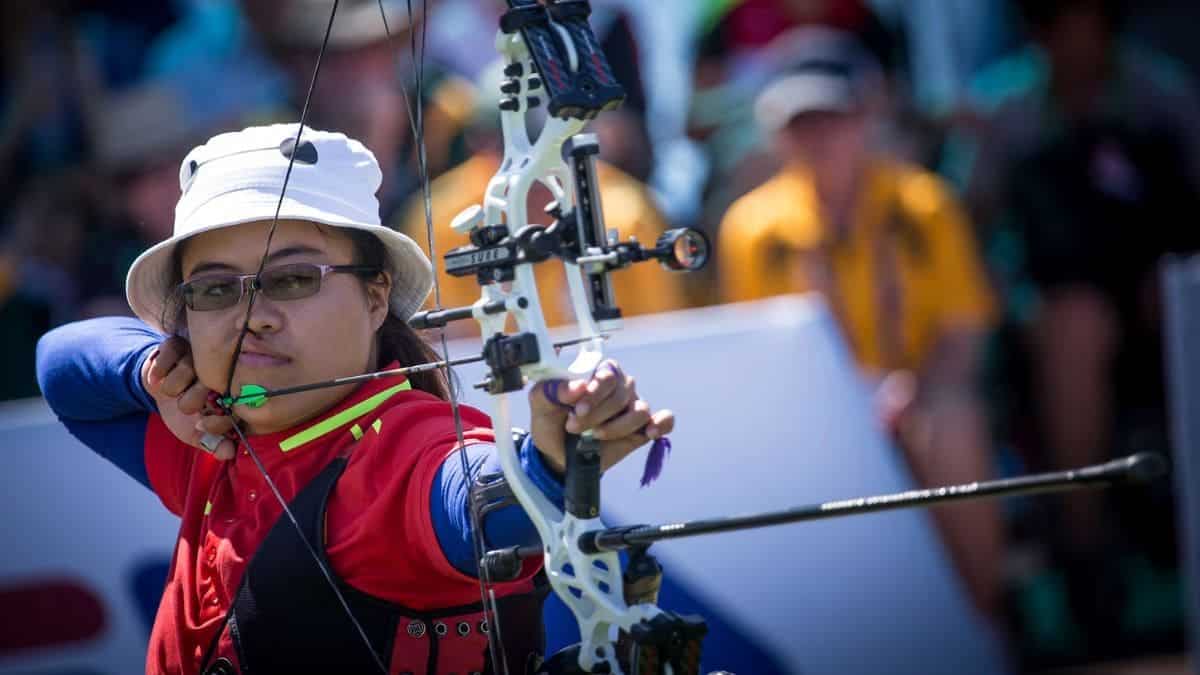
point(397, 341)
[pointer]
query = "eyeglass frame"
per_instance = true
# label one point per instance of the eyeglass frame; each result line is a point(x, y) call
point(256, 285)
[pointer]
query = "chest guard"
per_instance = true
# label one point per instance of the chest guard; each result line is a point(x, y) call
point(287, 620)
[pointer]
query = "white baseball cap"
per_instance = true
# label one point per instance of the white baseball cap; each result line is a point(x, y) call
point(237, 178)
point(820, 70)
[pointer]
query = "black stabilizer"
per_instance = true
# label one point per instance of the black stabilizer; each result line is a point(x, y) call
point(1140, 468)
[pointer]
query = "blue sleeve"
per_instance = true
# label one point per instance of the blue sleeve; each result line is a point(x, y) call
point(508, 526)
point(90, 376)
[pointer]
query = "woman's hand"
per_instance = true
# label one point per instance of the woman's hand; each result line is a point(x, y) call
point(608, 404)
point(169, 377)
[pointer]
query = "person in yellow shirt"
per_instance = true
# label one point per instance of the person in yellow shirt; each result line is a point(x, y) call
point(628, 208)
point(889, 248)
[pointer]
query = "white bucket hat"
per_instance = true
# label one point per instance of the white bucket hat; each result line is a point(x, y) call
point(237, 177)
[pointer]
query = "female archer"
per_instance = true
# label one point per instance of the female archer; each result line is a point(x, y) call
point(372, 567)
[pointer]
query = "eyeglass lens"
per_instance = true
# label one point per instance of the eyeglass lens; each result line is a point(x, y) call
point(287, 282)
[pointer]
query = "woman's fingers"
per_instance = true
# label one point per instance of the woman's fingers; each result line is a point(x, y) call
point(194, 399)
point(609, 393)
point(212, 427)
point(658, 425)
point(661, 424)
point(607, 404)
point(627, 423)
point(177, 381)
point(169, 352)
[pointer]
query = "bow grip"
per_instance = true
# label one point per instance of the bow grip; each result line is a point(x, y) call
point(581, 485)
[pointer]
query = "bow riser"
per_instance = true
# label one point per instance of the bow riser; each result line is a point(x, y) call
point(589, 584)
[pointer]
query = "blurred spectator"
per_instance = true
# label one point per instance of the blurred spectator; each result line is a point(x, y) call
point(889, 248)
point(752, 24)
point(1076, 72)
point(58, 57)
point(39, 255)
point(1084, 174)
point(946, 43)
point(138, 141)
point(628, 208)
point(662, 35)
point(39, 93)
point(743, 44)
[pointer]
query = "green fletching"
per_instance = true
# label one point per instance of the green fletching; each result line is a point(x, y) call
point(252, 396)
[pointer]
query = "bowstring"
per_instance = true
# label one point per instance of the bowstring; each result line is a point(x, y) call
point(254, 288)
point(416, 120)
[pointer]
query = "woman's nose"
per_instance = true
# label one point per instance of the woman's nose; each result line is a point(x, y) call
point(265, 315)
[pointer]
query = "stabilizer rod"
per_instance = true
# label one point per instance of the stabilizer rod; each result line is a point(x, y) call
point(1140, 468)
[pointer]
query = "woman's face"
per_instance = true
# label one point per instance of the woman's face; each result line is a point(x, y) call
point(290, 342)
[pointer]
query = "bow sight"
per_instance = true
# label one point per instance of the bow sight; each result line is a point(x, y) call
point(577, 236)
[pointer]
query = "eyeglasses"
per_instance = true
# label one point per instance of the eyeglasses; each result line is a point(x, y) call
point(286, 282)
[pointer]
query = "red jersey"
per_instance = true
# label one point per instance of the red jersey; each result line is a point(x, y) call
point(380, 537)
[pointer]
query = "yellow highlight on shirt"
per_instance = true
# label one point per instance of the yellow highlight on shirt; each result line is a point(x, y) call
point(336, 421)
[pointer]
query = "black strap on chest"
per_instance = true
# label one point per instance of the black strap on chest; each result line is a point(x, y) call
point(287, 619)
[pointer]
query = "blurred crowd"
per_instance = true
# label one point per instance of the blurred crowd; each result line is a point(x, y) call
point(980, 189)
